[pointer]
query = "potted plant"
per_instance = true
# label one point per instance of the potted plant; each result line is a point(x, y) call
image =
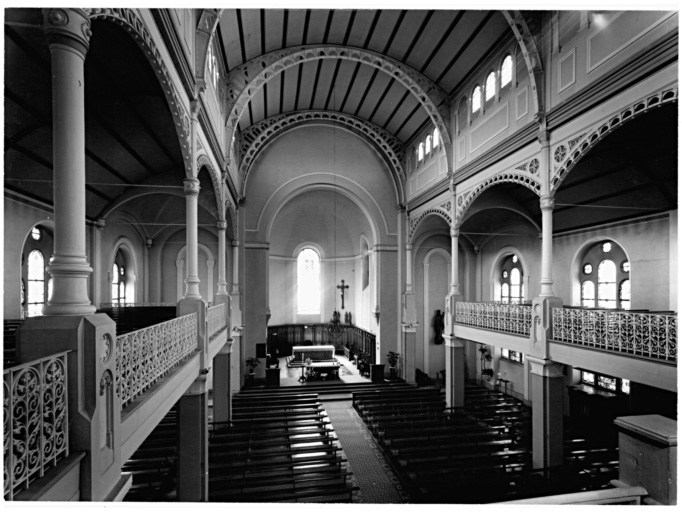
point(252, 362)
point(393, 358)
point(486, 356)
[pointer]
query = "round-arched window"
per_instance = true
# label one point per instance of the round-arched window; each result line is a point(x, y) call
point(308, 282)
point(511, 280)
point(476, 100)
point(490, 87)
point(506, 72)
point(605, 287)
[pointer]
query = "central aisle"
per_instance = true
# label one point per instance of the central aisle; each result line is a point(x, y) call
point(374, 476)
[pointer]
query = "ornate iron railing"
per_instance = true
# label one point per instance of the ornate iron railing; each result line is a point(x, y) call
point(647, 335)
point(144, 356)
point(36, 427)
point(509, 318)
point(217, 319)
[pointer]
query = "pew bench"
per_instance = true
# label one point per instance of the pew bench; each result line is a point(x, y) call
point(243, 466)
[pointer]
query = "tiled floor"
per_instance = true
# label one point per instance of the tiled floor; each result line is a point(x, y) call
point(377, 482)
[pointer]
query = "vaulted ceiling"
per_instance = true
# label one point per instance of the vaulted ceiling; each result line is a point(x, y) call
point(444, 46)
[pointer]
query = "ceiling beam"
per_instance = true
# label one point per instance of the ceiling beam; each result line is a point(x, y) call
point(442, 40)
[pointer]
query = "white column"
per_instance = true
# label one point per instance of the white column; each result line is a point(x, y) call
point(546, 281)
point(192, 256)
point(408, 269)
point(222, 283)
point(479, 274)
point(148, 247)
point(454, 255)
point(68, 34)
point(97, 258)
point(235, 266)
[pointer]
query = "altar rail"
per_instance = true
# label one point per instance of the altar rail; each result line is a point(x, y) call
point(35, 422)
point(109, 305)
point(509, 318)
point(146, 355)
point(282, 337)
point(217, 319)
point(640, 334)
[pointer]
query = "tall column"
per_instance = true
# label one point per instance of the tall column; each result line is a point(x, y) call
point(547, 390)
point(147, 249)
point(222, 282)
point(97, 258)
point(68, 34)
point(409, 321)
point(454, 253)
point(235, 266)
point(546, 280)
point(192, 203)
point(193, 443)
point(479, 274)
point(454, 371)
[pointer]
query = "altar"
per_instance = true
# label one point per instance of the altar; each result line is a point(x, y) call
point(313, 352)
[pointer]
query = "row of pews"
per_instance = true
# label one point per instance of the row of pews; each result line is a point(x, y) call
point(277, 448)
point(9, 342)
point(153, 465)
point(480, 453)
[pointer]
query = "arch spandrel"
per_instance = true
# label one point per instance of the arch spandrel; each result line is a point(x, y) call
point(204, 161)
point(567, 155)
point(440, 211)
point(465, 199)
point(132, 23)
point(246, 80)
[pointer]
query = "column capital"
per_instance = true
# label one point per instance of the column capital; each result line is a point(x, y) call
point(235, 243)
point(408, 247)
point(545, 367)
point(68, 27)
point(148, 242)
point(547, 203)
point(100, 223)
point(191, 186)
point(221, 225)
point(454, 231)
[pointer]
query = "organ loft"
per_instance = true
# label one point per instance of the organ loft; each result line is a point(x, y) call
point(340, 255)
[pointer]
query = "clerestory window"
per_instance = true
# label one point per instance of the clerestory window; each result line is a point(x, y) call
point(308, 282)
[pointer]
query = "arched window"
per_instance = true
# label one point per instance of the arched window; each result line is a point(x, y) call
point(427, 149)
point(603, 282)
point(511, 279)
point(36, 283)
point(587, 294)
point(420, 152)
point(606, 284)
point(490, 87)
point(308, 282)
point(476, 101)
point(115, 281)
point(436, 137)
point(506, 73)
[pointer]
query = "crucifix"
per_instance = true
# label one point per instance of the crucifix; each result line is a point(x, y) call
point(343, 287)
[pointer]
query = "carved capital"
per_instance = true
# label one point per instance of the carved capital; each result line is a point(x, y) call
point(235, 243)
point(547, 203)
point(100, 223)
point(408, 247)
point(67, 27)
point(454, 232)
point(221, 225)
point(191, 186)
point(148, 243)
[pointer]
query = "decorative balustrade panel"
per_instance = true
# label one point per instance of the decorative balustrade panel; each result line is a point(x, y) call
point(509, 318)
point(36, 427)
point(217, 319)
point(144, 356)
point(648, 335)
